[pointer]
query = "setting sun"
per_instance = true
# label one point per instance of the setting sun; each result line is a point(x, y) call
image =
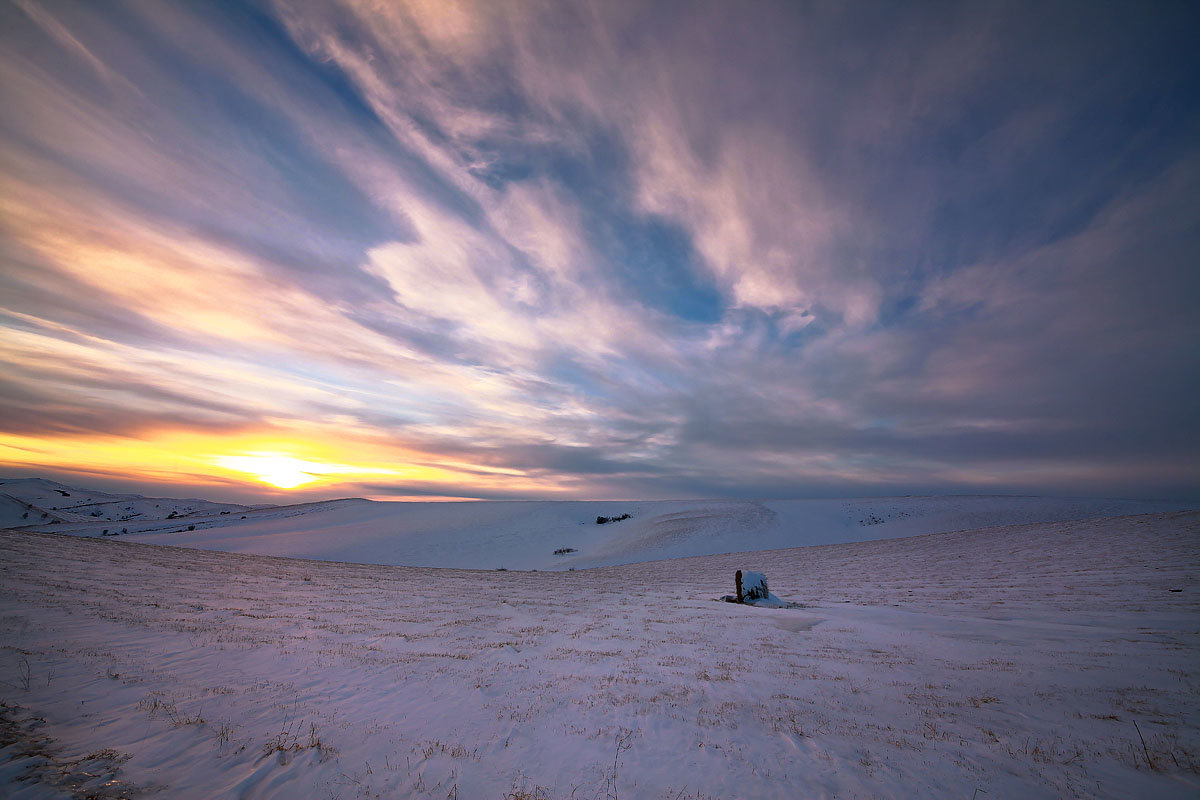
point(282, 471)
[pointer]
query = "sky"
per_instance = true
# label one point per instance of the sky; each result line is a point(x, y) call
point(567, 250)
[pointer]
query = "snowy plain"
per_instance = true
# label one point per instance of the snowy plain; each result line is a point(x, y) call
point(1041, 660)
point(526, 534)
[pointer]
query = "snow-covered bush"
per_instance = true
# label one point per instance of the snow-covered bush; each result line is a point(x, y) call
point(751, 586)
point(752, 590)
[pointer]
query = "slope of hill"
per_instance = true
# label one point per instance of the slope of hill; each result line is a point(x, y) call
point(526, 535)
point(39, 502)
point(1036, 661)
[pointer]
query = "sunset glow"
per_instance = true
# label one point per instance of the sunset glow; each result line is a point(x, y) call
point(347, 466)
point(284, 471)
point(492, 250)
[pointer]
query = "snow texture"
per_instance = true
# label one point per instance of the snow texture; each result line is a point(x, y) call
point(1035, 661)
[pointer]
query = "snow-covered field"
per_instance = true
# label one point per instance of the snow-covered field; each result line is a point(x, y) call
point(525, 535)
point(1043, 660)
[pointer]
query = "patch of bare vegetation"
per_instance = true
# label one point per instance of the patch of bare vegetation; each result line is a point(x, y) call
point(38, 761)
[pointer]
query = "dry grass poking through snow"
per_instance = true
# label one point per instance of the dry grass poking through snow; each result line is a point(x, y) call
point(1033, 661)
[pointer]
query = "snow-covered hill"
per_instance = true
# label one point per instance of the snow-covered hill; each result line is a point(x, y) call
point(526, 535)
point(39, 502)
point(1036, 661)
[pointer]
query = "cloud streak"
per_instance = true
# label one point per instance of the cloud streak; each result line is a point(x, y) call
point(491, 249)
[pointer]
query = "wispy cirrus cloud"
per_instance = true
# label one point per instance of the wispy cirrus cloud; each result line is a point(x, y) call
point(604, 249)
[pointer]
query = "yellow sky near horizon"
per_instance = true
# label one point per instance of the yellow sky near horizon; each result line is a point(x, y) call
point(264, 461)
